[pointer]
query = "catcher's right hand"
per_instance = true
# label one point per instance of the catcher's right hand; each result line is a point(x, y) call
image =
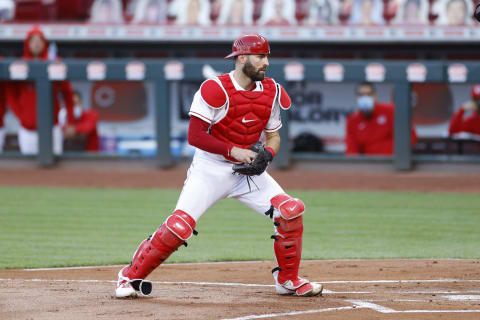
point(258, 165)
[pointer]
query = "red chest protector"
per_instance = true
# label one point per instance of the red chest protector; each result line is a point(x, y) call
point(248, 113)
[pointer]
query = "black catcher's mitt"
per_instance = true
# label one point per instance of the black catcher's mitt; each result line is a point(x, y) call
point(258, 165)
point(477, 12)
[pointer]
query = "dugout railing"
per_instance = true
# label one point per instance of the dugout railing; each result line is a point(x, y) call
point(161, 71)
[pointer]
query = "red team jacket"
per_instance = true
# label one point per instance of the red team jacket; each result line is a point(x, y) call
point(87, 125)
point(22, 97)
point(469, 124)
point(372, 136)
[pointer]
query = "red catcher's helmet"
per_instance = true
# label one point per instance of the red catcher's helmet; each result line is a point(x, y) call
point(250, 44)
point(476, 91)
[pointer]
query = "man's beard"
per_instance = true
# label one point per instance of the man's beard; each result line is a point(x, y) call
point(249, 71)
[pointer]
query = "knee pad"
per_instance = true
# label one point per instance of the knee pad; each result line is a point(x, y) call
point(175, 231)
point(288, 214)
point(153, 251)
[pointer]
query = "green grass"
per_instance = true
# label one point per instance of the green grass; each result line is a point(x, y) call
point(46, 227)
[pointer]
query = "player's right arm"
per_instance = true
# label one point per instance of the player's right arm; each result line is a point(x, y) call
point(208, 103)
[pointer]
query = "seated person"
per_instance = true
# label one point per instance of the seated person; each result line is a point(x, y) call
point(236, 12)
point(150, 11)
point(454, 12)
point(190, 12)
point(7, 10)
point(411, 12)
point(106, 11)
point(365, 12)
point(323, 12)
point(467, 119)
point(278, 13)
point(83, 131)
point(369, 129)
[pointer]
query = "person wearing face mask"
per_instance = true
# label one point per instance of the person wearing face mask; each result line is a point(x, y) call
point(83, 127)
point(467, 118)
point(369, 129)
point(22, 98)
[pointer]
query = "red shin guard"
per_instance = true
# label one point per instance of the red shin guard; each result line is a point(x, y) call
point(177, 229)
point(288, 250)
point(288, 238)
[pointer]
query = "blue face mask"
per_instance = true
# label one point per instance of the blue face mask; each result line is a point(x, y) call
point(77, 112)
point(365, 103)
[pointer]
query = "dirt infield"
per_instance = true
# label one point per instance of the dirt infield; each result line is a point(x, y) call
point(354, 289)
point(321, 177)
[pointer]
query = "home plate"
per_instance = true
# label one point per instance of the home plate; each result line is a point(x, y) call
point(462, 297)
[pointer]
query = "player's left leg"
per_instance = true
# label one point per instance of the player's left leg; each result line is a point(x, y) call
point(287, 215)
point(265, 196)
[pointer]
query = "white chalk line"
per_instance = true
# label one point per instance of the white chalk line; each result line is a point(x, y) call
point(370, 305)
point(400, 281)
point(223, 284)
point(329, 282)
point(239, 284)
point(357, 304)
point(382, 309)
point(462, 297)
point(293, 313)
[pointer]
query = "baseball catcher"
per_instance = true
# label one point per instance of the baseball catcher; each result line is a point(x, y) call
point(228, 115)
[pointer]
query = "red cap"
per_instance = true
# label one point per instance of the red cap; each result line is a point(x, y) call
point(476, 91)
point(250, 44)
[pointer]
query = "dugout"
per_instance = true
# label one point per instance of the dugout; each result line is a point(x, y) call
point(170, 83)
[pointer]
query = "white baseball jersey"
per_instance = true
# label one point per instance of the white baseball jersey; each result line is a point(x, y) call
point(210, 177)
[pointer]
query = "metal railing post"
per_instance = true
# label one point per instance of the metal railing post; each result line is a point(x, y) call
point(45, 122)
point(162, 123)
point(402, 134)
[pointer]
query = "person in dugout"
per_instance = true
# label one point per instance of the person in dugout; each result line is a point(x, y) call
point(22, 99)
point(369, 129)
point(467, 119)
point(83, 130)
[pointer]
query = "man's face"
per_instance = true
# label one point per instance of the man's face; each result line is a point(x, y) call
point(36, 45)
point(256, 66)
point(76, 100)
point(365, 91)
point(362, 91)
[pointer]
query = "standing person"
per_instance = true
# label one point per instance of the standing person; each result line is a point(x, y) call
point(84, 125)
point(467, 118)
point(369, 129)
point(22, 98)
point(227, 117)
